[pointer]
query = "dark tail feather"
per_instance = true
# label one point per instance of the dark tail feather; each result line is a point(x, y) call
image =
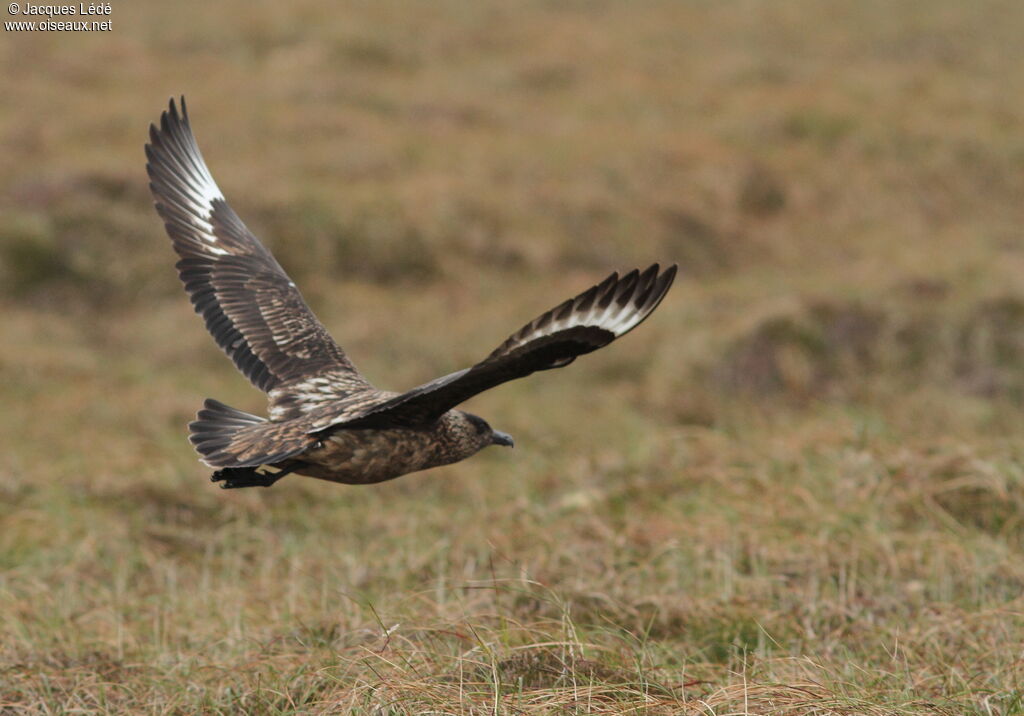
point(227, 437)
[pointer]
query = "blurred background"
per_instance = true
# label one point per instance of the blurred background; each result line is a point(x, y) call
point(795, 489)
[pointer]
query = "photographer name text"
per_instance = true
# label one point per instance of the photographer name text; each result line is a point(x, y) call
point(51, 11)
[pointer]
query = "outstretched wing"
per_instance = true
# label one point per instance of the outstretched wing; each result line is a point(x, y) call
point(251, 307)
point(582, 324)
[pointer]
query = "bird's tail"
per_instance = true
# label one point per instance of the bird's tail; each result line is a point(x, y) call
point(227, 437)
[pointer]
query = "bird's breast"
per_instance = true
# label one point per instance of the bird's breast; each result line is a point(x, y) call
point(368, 456)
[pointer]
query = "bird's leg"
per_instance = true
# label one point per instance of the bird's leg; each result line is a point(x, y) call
point(235, 477)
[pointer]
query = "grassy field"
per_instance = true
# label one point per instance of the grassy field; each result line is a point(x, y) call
point(798, 489)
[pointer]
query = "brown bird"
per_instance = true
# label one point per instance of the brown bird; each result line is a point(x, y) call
point(326, 420)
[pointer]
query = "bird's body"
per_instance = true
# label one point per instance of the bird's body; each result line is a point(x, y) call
point(368, 456)
point(355, 456)
point(371, 455)
point(326, 420)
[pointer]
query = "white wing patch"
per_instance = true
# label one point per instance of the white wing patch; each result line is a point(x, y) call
point(195, 191)
point(202, 191)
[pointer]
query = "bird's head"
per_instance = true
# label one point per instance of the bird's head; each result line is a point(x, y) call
point(478, 432)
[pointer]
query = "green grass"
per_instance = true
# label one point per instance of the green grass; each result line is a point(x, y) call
point(796, 490)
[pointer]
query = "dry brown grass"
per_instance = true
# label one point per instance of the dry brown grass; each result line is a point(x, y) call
point(796, 490)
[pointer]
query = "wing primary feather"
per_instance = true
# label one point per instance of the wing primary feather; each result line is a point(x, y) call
point(586, 300)
point(626, 287)
point(607, 290)
point(647, 281)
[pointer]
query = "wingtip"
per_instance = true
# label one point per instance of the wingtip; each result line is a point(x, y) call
point(662, 284)
point(659, 284)
point(650, 273)
point(184, 111)
point(172, 115)
point(153, 139)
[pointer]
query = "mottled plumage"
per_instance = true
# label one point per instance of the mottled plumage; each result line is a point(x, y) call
point(326, 420)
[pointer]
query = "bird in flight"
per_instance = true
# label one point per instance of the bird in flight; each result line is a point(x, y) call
point(325, 419)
